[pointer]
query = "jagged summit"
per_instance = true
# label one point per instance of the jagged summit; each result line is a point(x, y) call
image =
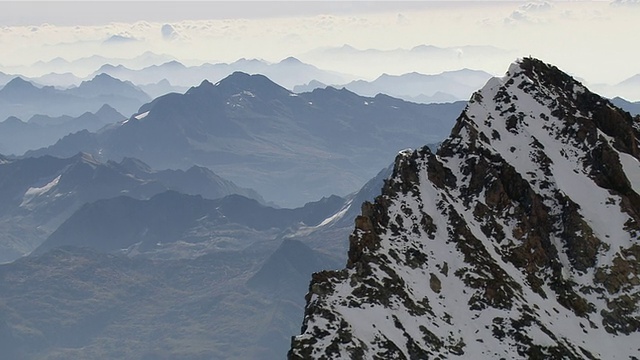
point(240, 81)
point(518, 238)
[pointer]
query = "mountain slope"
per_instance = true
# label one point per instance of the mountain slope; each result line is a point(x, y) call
point(109, 88)
point(17, 137)
point(294, 148)
point(22, 99)
point(38, 194)
point(517, 239)
point(157, 224)
point(73, 303)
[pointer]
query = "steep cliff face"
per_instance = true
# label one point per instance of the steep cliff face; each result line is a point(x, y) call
point(519, 238)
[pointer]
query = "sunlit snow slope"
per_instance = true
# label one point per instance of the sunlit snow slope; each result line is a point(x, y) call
point(519, 238)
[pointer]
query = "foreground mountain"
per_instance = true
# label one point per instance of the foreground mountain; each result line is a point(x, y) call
point(519, 238)
point(22, 99)
point(39, 194)
point(292, 148)
point(17, 136)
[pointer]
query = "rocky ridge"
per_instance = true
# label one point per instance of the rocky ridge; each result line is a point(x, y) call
point(518, 238)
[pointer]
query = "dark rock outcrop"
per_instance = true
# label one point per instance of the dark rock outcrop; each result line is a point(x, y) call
point(518, 238)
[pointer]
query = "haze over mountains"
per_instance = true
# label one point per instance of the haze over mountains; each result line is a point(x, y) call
point(112, 232)
point(291, 73)
point(17, 136)
point(445, 87)
point(161, 74)
point(292, 148)
point(39, 194)
point(23, 99)
point(142, 206)
point(182, 180)
point(227, 255)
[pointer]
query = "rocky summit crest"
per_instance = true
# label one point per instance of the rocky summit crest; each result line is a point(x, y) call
point(518, 238)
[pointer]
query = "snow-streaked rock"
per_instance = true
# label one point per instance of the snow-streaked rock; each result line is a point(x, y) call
point(518, 238)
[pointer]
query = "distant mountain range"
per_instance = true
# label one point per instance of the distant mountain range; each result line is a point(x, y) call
point(5, 78)
point(172, 220)
point(22, 99)
point(17, 136)
point(628, 89)
point(158, 75)
point(288, 72)
point(293, 148)
point(427, 59)
point(162, 77)
point(162, 87)
point(448, 86)
point(631, 107)
point(86, 65)
point(38, 194)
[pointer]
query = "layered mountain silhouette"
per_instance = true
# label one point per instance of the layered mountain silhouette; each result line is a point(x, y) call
point(422, 59)
point(628, 89)
point(289, 72)
point(22, 99)
point(162, 87)
point(17, 136)
point(518, 238)
point(89, 64)
point(226, 255)
point(457, 85)
point(631, 107)
point(448, 86)
point(292, 148)
point(124, 223)
point(39, 194)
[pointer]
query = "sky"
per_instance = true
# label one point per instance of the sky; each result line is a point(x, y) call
point(592, 40)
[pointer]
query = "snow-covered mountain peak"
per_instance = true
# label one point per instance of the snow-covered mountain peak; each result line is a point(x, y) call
point(519, 238)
